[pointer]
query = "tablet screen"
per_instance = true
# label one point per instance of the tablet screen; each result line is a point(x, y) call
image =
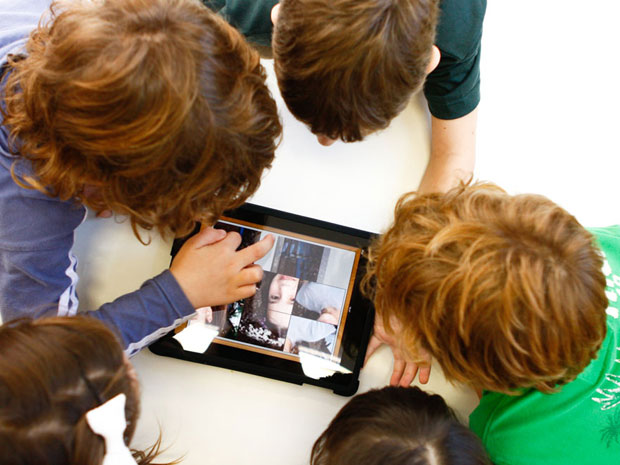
point(300, 303)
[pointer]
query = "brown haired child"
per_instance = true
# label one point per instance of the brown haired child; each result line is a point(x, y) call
point(397, 426)
point(346, 68)
point(508, 293)
point(56, 376)
point(154, 109)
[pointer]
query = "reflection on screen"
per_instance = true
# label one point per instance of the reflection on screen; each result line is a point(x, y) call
point(301, 303)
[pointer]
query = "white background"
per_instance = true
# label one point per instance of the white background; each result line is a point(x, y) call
point(548, 124)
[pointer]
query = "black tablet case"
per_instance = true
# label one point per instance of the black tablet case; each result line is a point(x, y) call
point(358, 325)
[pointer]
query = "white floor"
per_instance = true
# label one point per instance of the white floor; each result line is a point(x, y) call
point(548, 124)
point(550, 113)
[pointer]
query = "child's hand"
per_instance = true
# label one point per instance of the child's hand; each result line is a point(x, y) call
point(211, 272)
point(405, 368)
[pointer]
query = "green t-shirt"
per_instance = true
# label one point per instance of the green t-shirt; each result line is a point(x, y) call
point(580, 424)
point(452, 90)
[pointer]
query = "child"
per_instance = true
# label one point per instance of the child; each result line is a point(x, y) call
point(346, 68)
point(508, 293)
point(53, 373)
point(397, 426)
point(157, 110)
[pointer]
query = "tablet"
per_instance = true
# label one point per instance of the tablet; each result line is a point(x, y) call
point(308, 321)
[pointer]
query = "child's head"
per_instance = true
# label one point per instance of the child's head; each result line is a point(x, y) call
point(399, 426)
point(52, 372)
point(504, 291)
point(346, 68)
point(158, 107)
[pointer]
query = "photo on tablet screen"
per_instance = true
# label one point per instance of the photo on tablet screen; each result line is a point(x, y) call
point(301, 302)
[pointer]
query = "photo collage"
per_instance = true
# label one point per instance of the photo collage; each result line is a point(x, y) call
point(300, 302)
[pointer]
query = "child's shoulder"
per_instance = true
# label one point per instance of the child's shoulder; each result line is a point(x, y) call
point(608, 239)
point(534, 427)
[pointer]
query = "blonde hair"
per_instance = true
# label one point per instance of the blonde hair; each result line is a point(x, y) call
point(158, 104)
point(504, 291)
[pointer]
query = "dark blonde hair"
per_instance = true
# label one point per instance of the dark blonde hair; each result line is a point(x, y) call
point(348, 67)
point(397, 426)
point(159, 104)
point(504, 291)
point(52, 372)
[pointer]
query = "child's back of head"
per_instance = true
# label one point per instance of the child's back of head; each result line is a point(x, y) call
point(52, 372)
point(504, 291)
point(159, 107)
point(397, 426)
point(346, 68)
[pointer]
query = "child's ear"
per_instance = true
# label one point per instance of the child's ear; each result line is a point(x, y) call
point(435, 58)
point(274, 13)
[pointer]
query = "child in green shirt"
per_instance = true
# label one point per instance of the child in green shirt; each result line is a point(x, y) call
point(514, 297)
point(346, 68)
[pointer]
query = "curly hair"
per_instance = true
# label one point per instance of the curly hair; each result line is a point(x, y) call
point(504, 291)
point(52, 372)
point(348, 67)
point(399, 426)
point(159, 106)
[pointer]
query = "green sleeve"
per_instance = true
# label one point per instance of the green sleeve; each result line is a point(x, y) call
point(251, 17)
point(453, 88)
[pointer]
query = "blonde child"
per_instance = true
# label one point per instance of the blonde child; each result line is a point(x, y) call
point(508, 294)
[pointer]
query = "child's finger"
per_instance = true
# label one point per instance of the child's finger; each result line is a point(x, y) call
point(250, 275)
point(425, 374)
point(373, 345)
point(256, 251)
point(232, 239)
point(207, 236)
point(397, 372)
point(408, 374)
point(246, 291)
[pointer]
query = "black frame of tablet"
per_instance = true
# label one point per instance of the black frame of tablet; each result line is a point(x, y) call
point(358, 325)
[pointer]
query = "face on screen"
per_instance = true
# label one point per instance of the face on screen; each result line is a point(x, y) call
point(280, 299)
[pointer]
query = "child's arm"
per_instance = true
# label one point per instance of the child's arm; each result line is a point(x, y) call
point(37, 276)
point(452, 91)
point(453, 153)
point(207, 271)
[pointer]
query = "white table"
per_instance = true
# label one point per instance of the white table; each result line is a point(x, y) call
point(548, 124)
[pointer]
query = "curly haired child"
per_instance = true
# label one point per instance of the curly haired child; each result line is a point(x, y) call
point(508, 294)
point(157, 110)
